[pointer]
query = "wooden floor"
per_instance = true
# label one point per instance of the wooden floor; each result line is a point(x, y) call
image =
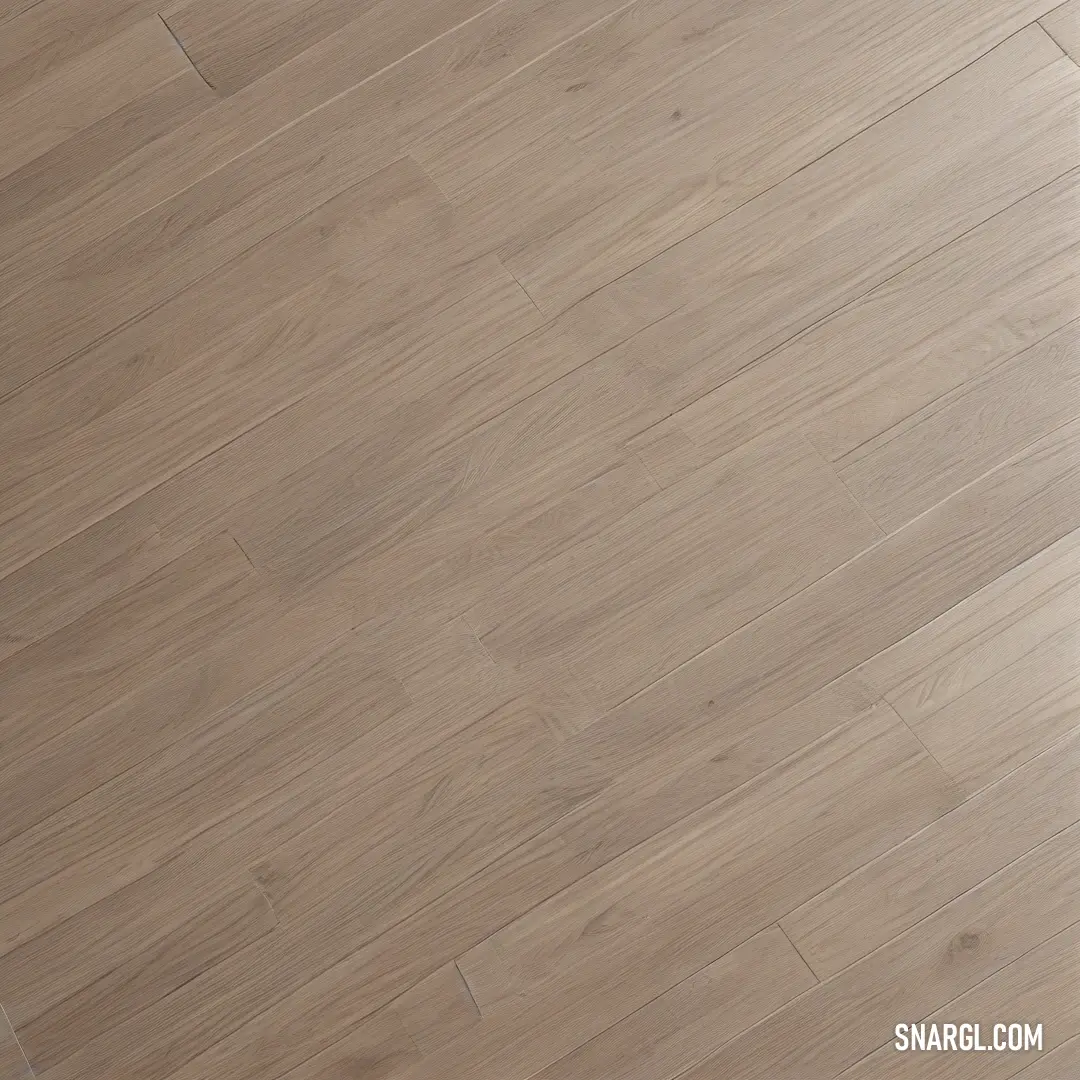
point(538, 538)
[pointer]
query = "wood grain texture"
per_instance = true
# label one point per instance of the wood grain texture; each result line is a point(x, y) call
point(58, 680)
point(983, 634)
point(235, 46)
point(979, 301)
point(889, 895)
point(539, 538)
point(1058, 1062)
point(733, 291)
point(918, 972)
point(13, 1063)
point(62, 171)
point(174, 796)
point(1063, 25)
point(40, 115)
point(606, 213)
point(963, 434)
point(1043, 983)
point(437, 1009)
point(118, 956)
point(181, 698)
point(580, 608)
point(685, 1023)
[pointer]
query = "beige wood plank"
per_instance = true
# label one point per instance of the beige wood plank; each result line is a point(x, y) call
point(1012, 715)
point(593, 73)
point(60, 172)
point(582, 960)
point(979, 301)
point(869, 603)
point(182, 699)
point(378, 1046)
point(945, 955)
point(104, 654)
point(979, 637)
point(39, 116)
point(495, 783)
point(962, 435)
point(844, 224)
point(73, 578)
point(500, 443)
point(391, 215)
point(143, 817)
point(612, 209)
point(248, 39)
point(437, 1009)
point(91, 972)
point(1063, 25)
point(449, 71)
point(13, 1063)
point(414, 381)
point(1062, 1061)
point(159, 253)
point(668, 452)
point(893, 892)
point(1040, 987)
point(41, 36)
point(273, 969)
point(687, 1022)
point(688, 567)
point(332, 1005)
point(247, 375)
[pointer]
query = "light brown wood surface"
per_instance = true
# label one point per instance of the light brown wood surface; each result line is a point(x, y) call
point(539, 539)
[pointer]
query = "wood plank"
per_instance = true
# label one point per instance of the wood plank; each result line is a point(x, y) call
point(892, 893)
point(1062, 1061)
point(39, 116)
point(1011, 716)
point(250, 38)
point(139, 820)
point(13, 1063)
point(703, 886)
point(634, 601)
point(437, 1009)
point(1043, 985)
point(75, 577)
point(770, 269)
point(378, 1045)
point(985, 633)
point(118, 956)
point(182, 699)
point(956, 948)
point(495, 783)
point(247, 375)
point(961, 435)
point(388, 216)
point(609, 210)
point(399, 392)
point(980, 300)
point(501, 443)
point(333, 1004)
point(590, 74)
point(42, 36)
point(274, 969)
point(141, 264)
point(104, 654)
point(868, 604)
point(319, 95)
point(687, 1022)
point(60, 172)
point(1063, 25)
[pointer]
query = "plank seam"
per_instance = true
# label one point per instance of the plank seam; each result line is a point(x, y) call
point(14, 1035)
